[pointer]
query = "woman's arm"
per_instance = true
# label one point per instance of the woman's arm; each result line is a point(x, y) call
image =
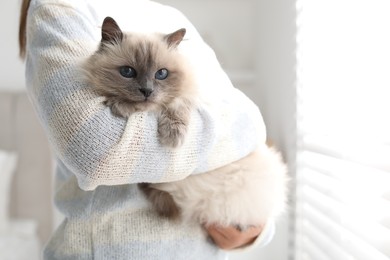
point(102, 149)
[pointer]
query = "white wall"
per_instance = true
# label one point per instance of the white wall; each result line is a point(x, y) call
point(276, 95)
point(11, 67)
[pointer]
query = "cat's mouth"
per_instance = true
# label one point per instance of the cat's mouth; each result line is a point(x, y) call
point(147, 100)
point(141, 99)
point(145, 103)
point(138, 100)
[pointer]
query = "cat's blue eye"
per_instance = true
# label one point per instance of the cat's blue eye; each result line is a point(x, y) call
point(161, 74)
point(127, 72)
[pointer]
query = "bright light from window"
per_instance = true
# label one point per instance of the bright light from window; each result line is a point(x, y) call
point(343, 168)
point(344, 56)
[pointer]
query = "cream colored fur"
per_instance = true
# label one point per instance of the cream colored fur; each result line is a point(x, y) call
point(244, 193)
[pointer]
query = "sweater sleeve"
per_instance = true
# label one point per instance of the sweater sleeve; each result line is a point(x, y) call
point(101, 149)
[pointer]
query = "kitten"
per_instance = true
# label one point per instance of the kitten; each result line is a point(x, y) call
point(147, 73)
point(137, 72)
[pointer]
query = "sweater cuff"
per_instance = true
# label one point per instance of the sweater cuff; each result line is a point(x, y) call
point(262, 240)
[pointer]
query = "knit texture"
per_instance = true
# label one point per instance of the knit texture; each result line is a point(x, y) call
point(101, 157)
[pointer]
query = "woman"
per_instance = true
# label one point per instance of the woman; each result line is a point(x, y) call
point(101, 157)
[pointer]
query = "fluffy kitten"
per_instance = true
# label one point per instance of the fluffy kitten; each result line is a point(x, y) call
point(137, 72)
point(146, 72)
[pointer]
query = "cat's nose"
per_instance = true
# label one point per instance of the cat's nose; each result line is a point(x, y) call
point(146, 92)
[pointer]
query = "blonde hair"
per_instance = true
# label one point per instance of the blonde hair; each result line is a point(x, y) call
point(22, 28)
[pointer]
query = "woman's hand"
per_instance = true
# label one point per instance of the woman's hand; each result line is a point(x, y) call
point(230, 237)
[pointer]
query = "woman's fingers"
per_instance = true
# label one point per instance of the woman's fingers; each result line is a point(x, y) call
point(230, 237)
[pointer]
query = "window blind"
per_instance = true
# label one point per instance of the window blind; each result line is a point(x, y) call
point(343, 158)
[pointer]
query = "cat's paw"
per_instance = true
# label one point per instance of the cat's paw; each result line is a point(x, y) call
point(168, 209)
point(162, 201)
point(171, 133)
point(119, 109)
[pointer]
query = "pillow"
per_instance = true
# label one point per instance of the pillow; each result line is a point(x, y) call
point(7, 167)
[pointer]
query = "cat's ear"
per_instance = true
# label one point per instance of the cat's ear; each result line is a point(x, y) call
point(175, 38)
point(111, 33)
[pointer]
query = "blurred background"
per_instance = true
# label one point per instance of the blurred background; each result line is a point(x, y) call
point(320, 72)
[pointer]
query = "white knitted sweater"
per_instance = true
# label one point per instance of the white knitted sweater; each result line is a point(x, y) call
point(102, 157)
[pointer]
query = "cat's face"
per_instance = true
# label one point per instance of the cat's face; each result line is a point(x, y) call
point(139, 70)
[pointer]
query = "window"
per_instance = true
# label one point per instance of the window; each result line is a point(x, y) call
point(343, 159)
